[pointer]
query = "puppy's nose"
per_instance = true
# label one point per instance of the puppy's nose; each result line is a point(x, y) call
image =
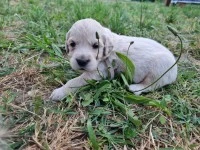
point(82, 62)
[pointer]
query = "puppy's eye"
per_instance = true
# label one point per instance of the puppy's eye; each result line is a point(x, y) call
point(95, 45)
point(72, 44)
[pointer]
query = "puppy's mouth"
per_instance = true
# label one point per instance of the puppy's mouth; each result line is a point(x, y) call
point(82, 69)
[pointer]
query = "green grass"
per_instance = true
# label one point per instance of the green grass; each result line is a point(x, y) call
point(32, 64)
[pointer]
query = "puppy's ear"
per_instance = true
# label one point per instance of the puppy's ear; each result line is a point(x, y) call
point(66, 46)
point(108, 46)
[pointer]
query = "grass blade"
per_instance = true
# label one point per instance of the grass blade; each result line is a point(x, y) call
point(57, 50)
point(92, 135)
point(127, 112)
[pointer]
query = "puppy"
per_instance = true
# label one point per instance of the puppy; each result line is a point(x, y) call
point(95, 58)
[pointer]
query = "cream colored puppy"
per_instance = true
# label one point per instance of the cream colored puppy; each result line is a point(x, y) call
point(151, 59)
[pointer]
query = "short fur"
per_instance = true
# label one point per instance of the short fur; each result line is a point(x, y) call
point(150, 58)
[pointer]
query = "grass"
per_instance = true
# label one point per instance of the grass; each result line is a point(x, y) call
point(33, 64)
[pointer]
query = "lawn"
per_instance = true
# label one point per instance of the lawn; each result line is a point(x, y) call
point(101, 115)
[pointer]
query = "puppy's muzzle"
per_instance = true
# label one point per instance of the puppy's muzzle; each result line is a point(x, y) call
point(82, 62)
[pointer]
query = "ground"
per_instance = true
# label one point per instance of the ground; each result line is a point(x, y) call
point(102, 115)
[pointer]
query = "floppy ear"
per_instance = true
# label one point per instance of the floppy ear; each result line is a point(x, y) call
point(108, 46)
point(66, 46)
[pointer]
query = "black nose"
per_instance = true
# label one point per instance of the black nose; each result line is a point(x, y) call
point(82, 62)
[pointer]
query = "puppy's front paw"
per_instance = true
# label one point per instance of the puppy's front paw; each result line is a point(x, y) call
point(58, 94)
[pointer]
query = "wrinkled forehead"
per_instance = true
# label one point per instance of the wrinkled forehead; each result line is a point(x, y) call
point(86, 30)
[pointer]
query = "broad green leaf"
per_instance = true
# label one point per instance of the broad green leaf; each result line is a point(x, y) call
point(106, 86)
point(88, 99)
point(92, 135)
point(135, 99)
point(138, 99)
point(129, 66)
point(104, 83)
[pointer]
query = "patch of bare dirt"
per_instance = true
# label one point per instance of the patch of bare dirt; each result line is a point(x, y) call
point(60, 134)
point(188, 58)
point(14, 2)
point(9, 31)
point(24, 82)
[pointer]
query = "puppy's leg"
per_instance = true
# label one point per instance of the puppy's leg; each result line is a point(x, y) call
point(168, 78)
point(72, 85)
point(137, 88)
point(158, 65)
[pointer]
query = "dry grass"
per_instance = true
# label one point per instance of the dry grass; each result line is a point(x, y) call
point(58, 131)
point(26, 82)
point(65, 136)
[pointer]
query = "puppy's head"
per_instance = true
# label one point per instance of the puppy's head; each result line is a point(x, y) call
point(83, 48)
